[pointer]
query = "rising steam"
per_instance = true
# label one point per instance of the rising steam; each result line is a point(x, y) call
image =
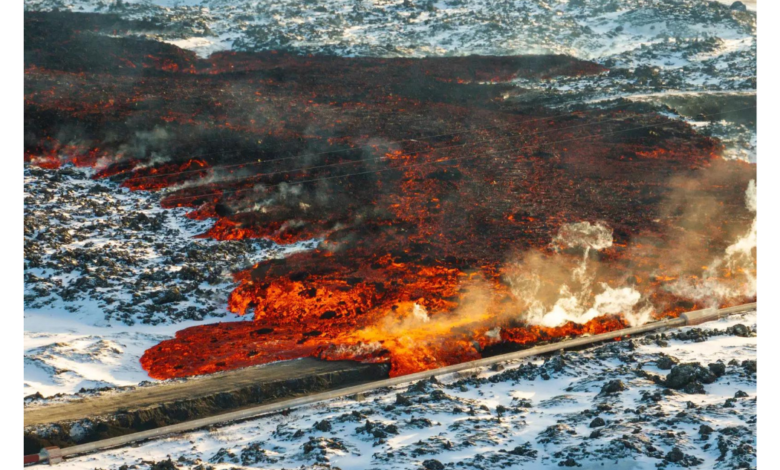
point(734, 273)
point(558, 288)
point(552, 289)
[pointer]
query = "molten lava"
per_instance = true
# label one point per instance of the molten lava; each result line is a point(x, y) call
point(436, 198)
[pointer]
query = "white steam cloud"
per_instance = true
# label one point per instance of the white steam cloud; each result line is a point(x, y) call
point(585, 235)
point(571, 296)
point(737, 265)
point(557, 289)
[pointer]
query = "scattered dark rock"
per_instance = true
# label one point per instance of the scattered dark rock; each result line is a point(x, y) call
point(401, 400)
point(556, 433)
point(163, 465)
point(689, 377)
point(675, 455)
point(322, 445)
point(33, 397)
point(666, 362)
point(524, 450)
point(739, 330)
point(419, 423)
point(613, 387)
point(597, 422)
point(254, 454)
point(377, 429)
point(224, 456)
point(433, 464)
point(717, 368)
point(555, 363)
point(323, 426)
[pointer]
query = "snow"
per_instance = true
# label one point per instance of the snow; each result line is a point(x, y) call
point(551, 416)
point(590, 29)
point(202, 46)
point(56, 341)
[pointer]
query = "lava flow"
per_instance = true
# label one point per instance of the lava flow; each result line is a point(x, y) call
point(455, 221)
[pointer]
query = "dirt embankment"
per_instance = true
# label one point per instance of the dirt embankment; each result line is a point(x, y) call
point(146, 408)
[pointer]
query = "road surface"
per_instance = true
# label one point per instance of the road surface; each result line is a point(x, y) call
point(194, 388)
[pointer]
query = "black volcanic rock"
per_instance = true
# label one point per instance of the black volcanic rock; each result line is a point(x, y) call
point(597, 423)
point(613, 387)
point(689, 377)
point(432, 464)
point(666, 362)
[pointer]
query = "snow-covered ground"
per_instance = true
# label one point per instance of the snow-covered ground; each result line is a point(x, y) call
point(63, 356)
point(109, 274)
point(589, 29)
point(597, 408)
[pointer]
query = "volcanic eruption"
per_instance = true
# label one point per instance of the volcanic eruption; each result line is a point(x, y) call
point(454, 221)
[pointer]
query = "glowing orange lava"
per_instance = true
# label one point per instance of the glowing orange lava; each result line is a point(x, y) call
point(436, 198)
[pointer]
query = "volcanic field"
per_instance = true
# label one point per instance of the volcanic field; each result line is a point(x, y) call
point(453, 221)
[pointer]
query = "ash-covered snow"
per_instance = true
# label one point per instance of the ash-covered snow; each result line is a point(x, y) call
point(109, 273)
point(684, 398)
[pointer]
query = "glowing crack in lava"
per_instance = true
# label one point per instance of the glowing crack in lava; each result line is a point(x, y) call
point(455, 222)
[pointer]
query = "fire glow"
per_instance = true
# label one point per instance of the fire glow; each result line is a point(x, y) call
point(509, 227)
